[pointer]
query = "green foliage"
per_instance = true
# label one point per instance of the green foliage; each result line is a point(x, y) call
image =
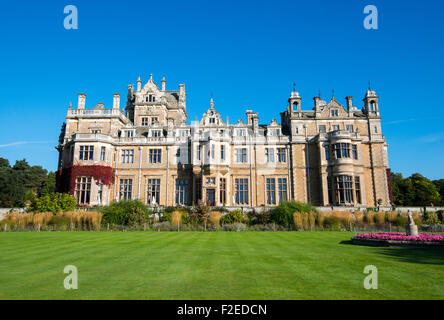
point(431, 218)
point(415, 190)
point(199, 213)
point(54, 202)
point(259, 217)
point(126, 212)
point(17, 180)
point(332, 223)
point(232, 217)
point(283, 213)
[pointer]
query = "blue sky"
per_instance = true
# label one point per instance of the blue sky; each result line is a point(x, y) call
point(247, 53)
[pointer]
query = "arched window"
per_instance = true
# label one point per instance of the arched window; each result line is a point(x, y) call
point(295, 106)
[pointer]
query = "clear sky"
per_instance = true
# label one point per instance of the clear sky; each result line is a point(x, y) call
point(247, 53)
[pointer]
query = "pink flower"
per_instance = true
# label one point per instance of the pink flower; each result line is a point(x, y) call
point(422, 237)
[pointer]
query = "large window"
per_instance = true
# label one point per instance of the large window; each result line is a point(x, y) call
point(330, 190)
point(145, 121)
point(155, 155)
point(182, 191)
point(344, 189)
point(269, 154)
point(322, 129)
point(198, 189)
point(199, 148)
point(127, 156)
point(222, 152)
point(126, 188)
point(86, 153)
point(102, 154)
point(281, 156)
point(272, 194)
point(358, 190)
point(83, 190)
point(241, 155)
point(223, 191)
point(342, 150)
point(355, 152)
point(282, 189)
point(271, 190)
point(241, 191)
point(153, 191)
point(327, 152)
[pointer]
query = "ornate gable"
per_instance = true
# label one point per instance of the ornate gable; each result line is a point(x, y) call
point(211, 117)
point(334, 109)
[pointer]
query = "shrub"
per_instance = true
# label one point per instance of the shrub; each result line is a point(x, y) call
point(380, 217)
point(215, 218)
point(332, 223)
point(283, 213)
point(344, 217)
point(392, 216)
point(126, 212)
point(232, 217)
point(258, 217)
point(369, 217)
point(320, 217)
point(53, 202)
point(430, 218)
point(440, 214)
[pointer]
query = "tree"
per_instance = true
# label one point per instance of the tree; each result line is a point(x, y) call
point(415, 190)
point(439, 184)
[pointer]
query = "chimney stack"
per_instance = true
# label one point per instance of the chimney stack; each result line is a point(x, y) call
point(163, 81)
point(116, 101)
point(139, 84)
point(349, 103)
point(82, 100)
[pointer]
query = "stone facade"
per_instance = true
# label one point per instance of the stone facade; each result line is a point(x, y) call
point(329, 155)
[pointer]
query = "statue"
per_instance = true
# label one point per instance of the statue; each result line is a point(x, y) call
point(411, 229)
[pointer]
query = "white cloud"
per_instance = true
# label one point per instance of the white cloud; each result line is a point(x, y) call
point(17, 143)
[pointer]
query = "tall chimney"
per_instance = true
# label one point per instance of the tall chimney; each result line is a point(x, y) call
point(82, 100)
point(139, 84)
point(116, 101)
point(349, 103)
point(163, 81)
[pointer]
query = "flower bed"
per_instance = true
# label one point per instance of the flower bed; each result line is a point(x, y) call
point(422, 237)
point(399, 239)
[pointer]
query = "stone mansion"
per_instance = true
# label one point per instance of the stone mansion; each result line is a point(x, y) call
point(329, 155)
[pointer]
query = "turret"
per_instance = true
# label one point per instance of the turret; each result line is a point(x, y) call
point(163, 81)
point(371, 103)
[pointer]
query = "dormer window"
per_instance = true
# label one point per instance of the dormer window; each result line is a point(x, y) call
point(241, 133)
point(274, 132)
point(334, 112)
point(151, 98)
point(156, 133)
point(129, 133)
point(154, 120)
point(212, 120)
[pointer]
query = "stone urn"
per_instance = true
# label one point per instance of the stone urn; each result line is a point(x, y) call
point(411, 229)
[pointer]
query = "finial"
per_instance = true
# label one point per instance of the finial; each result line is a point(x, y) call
point(319, 93)
point(333, 94)
point(369, 86)
point(211, 101)
point(294, 86)
point(151, 76)
point(70, 105)
point(138, 79)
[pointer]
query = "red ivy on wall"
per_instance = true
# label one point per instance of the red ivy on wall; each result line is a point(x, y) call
point(66, 177)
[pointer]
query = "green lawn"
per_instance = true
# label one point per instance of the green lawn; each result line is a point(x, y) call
point(212, 265)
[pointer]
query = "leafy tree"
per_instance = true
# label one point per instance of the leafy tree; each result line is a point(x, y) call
point(54, 202)
point(49, 185)
point(439, 184)
point(415, 190)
